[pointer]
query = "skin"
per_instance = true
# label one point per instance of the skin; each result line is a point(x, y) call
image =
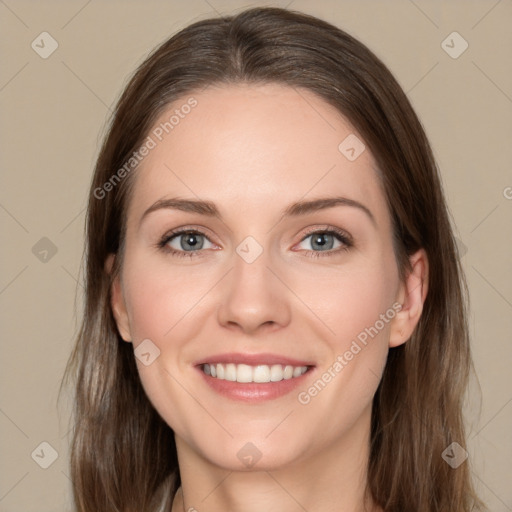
point(253, 150)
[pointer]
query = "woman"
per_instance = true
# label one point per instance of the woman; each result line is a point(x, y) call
point(275, 314)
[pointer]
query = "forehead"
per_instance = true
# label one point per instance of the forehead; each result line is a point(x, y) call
point(249, 146)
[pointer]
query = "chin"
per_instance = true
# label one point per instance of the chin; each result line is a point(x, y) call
point(252, 453)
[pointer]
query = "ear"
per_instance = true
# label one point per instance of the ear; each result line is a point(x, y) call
point(117, 302)
point(412, 296)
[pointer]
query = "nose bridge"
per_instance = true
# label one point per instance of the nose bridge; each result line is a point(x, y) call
point(252, 295)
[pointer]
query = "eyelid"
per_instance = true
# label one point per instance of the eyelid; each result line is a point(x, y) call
point(345, 239)
point(328, 228)
point(187, 229)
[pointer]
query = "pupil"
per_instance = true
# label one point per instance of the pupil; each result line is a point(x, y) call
point(191, 240)
point(320, 241)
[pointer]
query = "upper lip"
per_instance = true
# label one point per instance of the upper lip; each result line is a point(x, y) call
point(253, 359)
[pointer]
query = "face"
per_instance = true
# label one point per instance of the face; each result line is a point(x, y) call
point(292, 308)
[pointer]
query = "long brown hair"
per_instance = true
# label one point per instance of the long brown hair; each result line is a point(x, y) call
point(123, 455)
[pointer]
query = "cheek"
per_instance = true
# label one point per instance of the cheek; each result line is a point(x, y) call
point(364, 297)
point(358, 308)
point(349, 302)
point(161, 302)
point(159, 297)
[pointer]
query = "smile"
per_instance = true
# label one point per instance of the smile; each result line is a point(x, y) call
point(244, 373)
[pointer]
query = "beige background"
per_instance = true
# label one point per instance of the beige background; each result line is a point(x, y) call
point(53, 114)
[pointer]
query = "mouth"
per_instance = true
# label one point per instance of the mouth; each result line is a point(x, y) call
point(244, 373)
point(253, 377)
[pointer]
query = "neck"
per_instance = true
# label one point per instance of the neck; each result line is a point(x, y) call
point(330, 480)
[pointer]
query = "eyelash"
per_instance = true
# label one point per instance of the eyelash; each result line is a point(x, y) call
point(342, 236)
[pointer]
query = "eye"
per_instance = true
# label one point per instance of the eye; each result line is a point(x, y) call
point(325, 240)
point(190, 242)
point(184, 242)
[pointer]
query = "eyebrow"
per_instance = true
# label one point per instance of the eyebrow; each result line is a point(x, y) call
point(299, 208)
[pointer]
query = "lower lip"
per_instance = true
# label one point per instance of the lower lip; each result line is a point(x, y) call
point(254, 392)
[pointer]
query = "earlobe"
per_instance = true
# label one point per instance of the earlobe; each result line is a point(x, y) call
point(117, 302)
point(412, 295)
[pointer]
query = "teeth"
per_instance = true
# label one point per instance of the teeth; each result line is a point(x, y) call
point(277, 373)
point(230, 372)
point(288, 372)
point(243, 373)
point(262, 373)
point(297, 372)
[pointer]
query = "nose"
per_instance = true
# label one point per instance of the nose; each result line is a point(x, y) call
point(254, 297)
